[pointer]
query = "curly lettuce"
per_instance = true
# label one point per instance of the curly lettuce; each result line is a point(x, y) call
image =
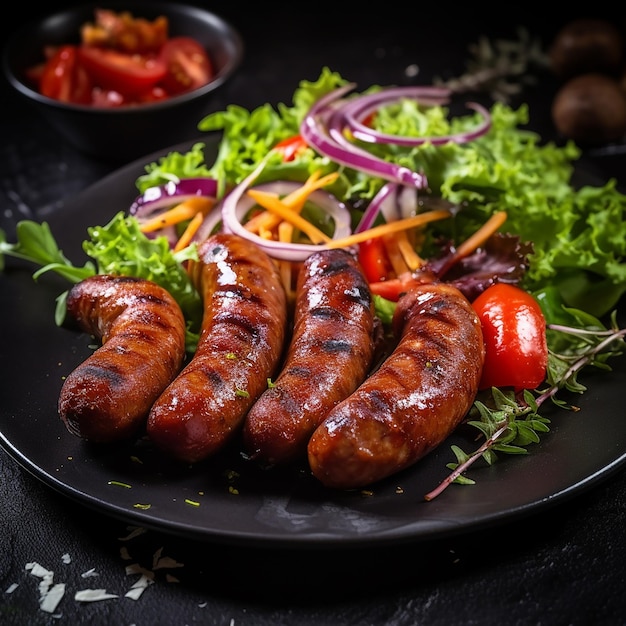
point(578, 231)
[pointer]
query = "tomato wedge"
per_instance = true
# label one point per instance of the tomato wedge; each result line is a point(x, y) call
point(125, 73)
point(63, 78)
point(514, 332)
point(187, 65)
point(375, 261)
point(291, 147)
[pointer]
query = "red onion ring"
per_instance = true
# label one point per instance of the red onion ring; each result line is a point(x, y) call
point(162, 197)
point(235, 205)
point(353, 114)
point(324, 129)
point(323, 132)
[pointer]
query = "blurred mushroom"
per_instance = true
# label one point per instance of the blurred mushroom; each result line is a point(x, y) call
point(590, 109)
point(587, 45)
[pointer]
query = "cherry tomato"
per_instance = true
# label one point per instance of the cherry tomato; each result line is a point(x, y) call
point(374, 260)
point(291, 147)
point(187, 65)
point(64, 79)
point(116, 71)
point(514, 332)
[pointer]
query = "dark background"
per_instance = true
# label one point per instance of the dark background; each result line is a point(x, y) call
point(564, 566)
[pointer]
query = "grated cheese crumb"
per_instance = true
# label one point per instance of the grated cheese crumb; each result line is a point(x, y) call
point(135, 532)
point(124, 553)
point(167, 562)
point(51, 599)
point(93, 595)
point(89, 573)
point(11, 588)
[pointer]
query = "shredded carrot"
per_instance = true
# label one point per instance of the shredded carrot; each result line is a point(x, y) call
point(272, 203)
point(407, 250)
point(394, 253)
point(192, 228)
point(391, 227)
point(481, 235)
point(285, 233)
point(181, 212)
point(263, 221)
point(295, 201)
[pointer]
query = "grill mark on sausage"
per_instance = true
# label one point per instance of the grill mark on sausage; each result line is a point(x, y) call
point(240, 346)
point(417, 397)
point(142, 329)
point(330, 352)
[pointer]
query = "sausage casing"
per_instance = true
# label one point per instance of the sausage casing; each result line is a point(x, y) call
point(329, 355)
point(413, 402)
point(240, 346)
point(107, 398)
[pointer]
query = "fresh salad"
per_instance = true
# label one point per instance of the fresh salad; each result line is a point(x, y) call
point(420, 192)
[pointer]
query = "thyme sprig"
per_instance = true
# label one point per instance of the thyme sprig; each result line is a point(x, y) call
point(510, 422)
point(500, 68)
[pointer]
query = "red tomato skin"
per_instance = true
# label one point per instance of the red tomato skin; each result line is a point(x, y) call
point(126, 74)
point(187, 65)
point(514, 333)
point(291, 147)
point(374, 260)
point(64, 79)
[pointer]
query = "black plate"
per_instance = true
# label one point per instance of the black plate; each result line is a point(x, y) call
point(227, 498)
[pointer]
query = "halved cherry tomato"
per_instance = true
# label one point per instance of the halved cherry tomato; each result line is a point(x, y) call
point(393, 288)
point(187, 65)
point(64, 79)
point(375, 261)
point(125, 73)
point(514, 332)
point(291, 147)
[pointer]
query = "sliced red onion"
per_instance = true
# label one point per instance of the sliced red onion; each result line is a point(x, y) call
point(357, 110)
point(323, 131)
point(164, 196)
point(386, 195)
point(235, 206)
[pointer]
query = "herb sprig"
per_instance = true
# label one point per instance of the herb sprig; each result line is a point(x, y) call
point(510, 422)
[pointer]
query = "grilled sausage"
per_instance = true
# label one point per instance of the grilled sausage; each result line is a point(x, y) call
point(330, 353)
point(107, 398)
point(413, 401)
point(240, 346)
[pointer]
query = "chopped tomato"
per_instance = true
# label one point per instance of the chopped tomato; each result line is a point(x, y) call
point(127, 74)
point(64, 79)
point(375, 261)
point(107, 98)
point(514, 332)
point(187, 65)
point(393, 288)
point(121, 31)
point(291, 147)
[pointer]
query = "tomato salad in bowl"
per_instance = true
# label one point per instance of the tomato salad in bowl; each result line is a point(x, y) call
point(125, 80)
point(471, 205)
point(122, 60)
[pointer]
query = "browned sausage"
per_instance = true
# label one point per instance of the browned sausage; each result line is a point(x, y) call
point(240, 346)
point(329, 355)
point(108, 396)
point(413, 401)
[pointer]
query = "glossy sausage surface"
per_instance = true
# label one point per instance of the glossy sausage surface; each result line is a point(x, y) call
point(413, 402)
point(142, 329)
point(240, 347)
point(329, 355)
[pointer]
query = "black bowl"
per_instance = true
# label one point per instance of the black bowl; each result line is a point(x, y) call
point(128, 132)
